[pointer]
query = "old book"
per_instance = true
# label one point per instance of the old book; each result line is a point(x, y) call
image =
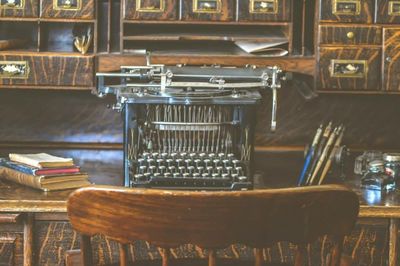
point(41, 160)
point(46, 183)
point(30, 170)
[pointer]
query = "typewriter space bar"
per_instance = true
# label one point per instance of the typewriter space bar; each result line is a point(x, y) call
point(195, 184)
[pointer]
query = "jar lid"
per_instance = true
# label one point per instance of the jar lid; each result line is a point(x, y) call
point(391, 157)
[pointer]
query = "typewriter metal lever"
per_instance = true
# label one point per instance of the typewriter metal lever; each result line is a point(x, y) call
point(192, 85)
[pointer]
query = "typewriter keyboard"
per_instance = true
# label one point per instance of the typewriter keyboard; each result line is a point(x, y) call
point(191, 171)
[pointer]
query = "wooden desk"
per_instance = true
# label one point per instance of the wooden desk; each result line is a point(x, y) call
point(52, 206)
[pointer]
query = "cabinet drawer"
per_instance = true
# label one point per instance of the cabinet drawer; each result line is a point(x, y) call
point(265, 10)
point(347, 10)
point(388, 11)
point(351, 35)
point(210, 10)
point(39, 70)
point(151, 9)
point(391, 55)
point(348, 69)
point(20, 8)
point(82, 9)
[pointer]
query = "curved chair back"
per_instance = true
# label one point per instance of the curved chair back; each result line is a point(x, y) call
point(213, 220)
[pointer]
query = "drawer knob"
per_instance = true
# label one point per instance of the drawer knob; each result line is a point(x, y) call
point(350, 35)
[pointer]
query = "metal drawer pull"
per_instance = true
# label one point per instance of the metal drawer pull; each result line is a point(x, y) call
point(264, 6)
point(141, 6)
point(348, 68)
point(67, 5)
point(207, 6)
point(345, 7)
point(12, 4)
point(14, 69)
point(350, 35)
point(394, 8)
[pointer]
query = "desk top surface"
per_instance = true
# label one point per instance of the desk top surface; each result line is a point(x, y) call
point(17, 198)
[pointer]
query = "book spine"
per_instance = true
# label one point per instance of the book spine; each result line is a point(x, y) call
point(21, 178)
point(21, 168)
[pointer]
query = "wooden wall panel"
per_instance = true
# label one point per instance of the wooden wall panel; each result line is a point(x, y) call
point(391, 55)
point(80, 117)
point(350, 35)
point(388, 11)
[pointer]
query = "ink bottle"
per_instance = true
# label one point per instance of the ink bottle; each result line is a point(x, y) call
point(376, 178)
point(392, 165)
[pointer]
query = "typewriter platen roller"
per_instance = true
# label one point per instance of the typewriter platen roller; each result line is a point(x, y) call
point(189, 127)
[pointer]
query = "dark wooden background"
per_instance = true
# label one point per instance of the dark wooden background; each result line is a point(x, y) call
point(78, 124)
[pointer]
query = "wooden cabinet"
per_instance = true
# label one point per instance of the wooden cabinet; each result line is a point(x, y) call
point(20, 8)
point(347, 10)
point(265, 10)
point(391, 60)
point(82, 9)
point(45, 70)
point(388, 11)
point(151, 9)
point(359, 51)
point(350, 35)
point(210, 10)
point(349, 69)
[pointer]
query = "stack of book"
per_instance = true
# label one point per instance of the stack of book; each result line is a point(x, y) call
point(43, 171)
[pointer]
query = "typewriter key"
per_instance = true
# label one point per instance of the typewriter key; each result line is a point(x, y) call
point(182, 169)
point(164, 155)
point(176, 175)
point(225, 176)
point(170, 162)
point(236, 163)
point(150, 161)
point(191, 170)
point(221, 155)
point(219, 170)
point(152, 169)
point(192, 155)
point(231, 156)
point(242, 178)
point(239, 170)
point(139, 177)
point(196, 175)
point(202, 155)
point(200, 169)
point(167, 175)
point(140, 161)
point(211, 155)
point(160, 162)
point(156, 174)
point(183, 154)
point(226, 163)
point(154, 155)
point(234, 177)
point(197, 162)
point(216, 162)
point(205, 175)
point(188, 162)
point(142, 169)
point(171, 169)
point(207, 162)
point(162, 169)
point(186, 175)
point(147, 176)
point(178, 162)
point(229, 170)
point(210, 170)
point(216, 175)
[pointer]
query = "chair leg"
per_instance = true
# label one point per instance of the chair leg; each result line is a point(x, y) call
point(165, 255)
point(259, 259)
point(123, 254)
point(212, 258)
point(86, 248)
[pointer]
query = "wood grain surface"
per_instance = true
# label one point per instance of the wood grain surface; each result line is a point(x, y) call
point(283, 12)
point(383, 12)
point(170, 12)
point(341, 35)
point(31, 10)
point(86, 10)
point(213, 220)
point(367, 9)
point(11, 249)
point(371, 79)
point(391, 57)
point(53, 70)
point(227, 12)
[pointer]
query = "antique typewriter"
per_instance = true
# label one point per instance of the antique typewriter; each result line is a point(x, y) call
point(189, 127)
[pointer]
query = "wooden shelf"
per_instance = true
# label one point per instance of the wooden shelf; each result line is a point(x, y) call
point(180, 22)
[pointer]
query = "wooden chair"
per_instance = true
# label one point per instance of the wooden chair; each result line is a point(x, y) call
point(213, 220)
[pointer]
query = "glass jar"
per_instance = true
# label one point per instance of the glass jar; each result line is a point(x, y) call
point(392, 165)
point(376, 178)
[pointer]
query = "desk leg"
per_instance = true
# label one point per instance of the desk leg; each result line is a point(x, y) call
point(28, 240)
point(393, 229)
